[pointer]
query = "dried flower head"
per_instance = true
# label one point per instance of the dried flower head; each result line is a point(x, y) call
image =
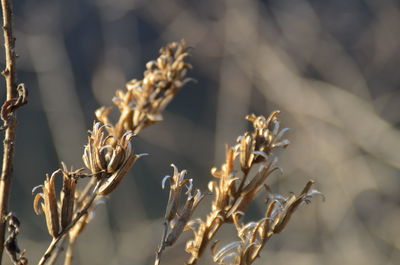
point(144, 100)
point(67, 197)
point(58, 214)
point(254, 235)
point(49, 205)
point(176, 217)
point(108, 154)
point(256, 146)
point(108, 157)
point(234, 190)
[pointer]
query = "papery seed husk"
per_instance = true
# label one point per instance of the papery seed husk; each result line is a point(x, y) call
point(51, 207)
point(243, 151)
point(292, 203)
point(100, 159)
point(67, 200)
point(92, 156)
point(113, 181)
point(180, 223)
point(173, 204)
point(85, 158)
point(116, 159)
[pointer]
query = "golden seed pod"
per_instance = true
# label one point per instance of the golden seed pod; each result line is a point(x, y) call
point(50, 206)
point(246, 150)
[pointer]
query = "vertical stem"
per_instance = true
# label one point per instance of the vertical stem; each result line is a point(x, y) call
point(69, 254)
point(162, 244)
point(8, 156)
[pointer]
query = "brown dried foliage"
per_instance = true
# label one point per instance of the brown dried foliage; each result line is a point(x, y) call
point(109, 155)
point(234, 190)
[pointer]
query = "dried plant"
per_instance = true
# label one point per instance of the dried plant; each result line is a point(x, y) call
point(16, 96)
point(176, 217)
point(144, 100)
point(11, 243)
point(109, 155)
point(234, 190)
point(254, 235)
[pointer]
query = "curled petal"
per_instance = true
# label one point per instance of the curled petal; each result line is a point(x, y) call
point(212, 185)
point(311, 193)
point(228, 259)
point(36, 188)
point(175, 169)
point(182, 175)
point(283, 143)
point(233, 246)
point(38, 208)
point(167, 177)
point(280, 134)
point(189, 188)
point(275, 129)
point(197, 198)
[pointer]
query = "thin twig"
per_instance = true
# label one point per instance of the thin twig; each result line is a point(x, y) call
point(162, 244)
point(56, 252)
point(78, 216)
point(9, 74)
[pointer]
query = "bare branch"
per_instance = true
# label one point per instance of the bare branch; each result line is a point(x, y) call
point(12, 103)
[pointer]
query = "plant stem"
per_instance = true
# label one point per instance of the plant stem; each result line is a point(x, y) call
point(162, 244)
point(69, 254)
point(56, 252)
point(9, 74)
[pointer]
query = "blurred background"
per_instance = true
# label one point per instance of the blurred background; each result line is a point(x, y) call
point(331, 67)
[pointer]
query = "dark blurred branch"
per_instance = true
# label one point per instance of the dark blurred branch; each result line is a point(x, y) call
point(10, 105)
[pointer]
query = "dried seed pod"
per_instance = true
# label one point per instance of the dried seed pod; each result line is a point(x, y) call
point(180, 222)
point(112, 182)
point(143, 102)
point(116, 159)
point(246, 149)
point(67, 199)
point(177, 182)
point(233, 192)
point(176, 220)
point(108, 157)
point(49, 205)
